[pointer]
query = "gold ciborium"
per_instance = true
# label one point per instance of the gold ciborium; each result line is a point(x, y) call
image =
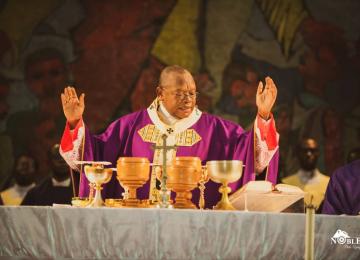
point(224, 172)
point(97, 175)
point(132, 173)
point(184, 176)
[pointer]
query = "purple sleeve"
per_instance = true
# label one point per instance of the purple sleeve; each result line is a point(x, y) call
point(245, 151)
point(335, 202)
point(104, 147)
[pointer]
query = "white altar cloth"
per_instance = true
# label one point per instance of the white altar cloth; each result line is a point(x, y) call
point(48, 232)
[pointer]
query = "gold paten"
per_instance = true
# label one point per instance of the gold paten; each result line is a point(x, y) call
point(183, 176)
point(97, 175)
point(224, 172)
point(80, 202)
point(132, 173)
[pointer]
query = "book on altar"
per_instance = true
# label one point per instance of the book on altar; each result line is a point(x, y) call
point(264, 196)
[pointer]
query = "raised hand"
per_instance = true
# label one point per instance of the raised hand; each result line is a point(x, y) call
point(266, 97)
point(72, 105)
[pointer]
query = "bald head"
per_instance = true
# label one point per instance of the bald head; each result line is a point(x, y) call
point(177, 91)
point(175, 76)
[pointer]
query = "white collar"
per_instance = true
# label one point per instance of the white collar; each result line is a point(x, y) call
point(65, 183)
point(305, 178)
point(166, 116)
point(179, 126)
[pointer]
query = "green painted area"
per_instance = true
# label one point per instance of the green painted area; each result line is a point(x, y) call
point(19, 18)
point(178, 42)
point(225, 21)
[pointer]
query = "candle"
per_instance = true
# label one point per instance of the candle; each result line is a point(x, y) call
point(309, 232)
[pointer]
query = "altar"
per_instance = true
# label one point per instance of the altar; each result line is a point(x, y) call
point(129, 233)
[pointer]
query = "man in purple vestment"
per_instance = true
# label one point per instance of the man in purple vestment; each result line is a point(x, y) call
point(343, 192)
point(175, 114)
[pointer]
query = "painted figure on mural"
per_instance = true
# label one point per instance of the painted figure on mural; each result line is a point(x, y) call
point(174, 113)
point(288, 162)
point(315, 112)
point(121, 34)
point(239, 84)
point(46, 74)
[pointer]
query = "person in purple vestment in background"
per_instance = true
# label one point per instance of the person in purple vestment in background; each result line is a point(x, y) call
point(174, 113)
point(343, 193)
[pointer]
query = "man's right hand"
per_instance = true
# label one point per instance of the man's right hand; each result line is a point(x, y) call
point(72, 105)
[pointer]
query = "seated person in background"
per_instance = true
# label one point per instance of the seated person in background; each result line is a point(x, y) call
point(308, 177)
point(353, 155)
point(343, 193)
point(25, 168)
point(56, 188)
point(174, 114)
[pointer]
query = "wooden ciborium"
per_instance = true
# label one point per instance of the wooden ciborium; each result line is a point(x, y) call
point(132, 173)
point(224, 172)
point(184, 176)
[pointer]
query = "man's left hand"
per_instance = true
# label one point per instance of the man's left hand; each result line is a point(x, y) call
point(266, 97)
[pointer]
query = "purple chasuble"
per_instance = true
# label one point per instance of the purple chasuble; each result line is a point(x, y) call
point(220, 140)
point(343, 192)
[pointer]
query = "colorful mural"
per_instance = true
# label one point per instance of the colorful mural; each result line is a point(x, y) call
point(114, 51)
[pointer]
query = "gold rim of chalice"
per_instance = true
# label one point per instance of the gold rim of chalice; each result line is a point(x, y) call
point(224, 172)
point(97, 174)
point(134, 159)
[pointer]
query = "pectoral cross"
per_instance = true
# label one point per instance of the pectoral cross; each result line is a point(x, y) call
point(164, 192)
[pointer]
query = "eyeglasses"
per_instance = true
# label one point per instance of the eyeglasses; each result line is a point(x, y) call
point(183, 95)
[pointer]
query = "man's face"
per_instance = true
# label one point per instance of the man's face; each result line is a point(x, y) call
point(308, 154)
point(46, 77)
point(178, 96)
point(25, 170)
point(59, 167)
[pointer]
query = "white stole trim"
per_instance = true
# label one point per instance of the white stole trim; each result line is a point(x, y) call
point(73, 155)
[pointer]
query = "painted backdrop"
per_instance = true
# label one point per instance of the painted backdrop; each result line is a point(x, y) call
point(114, 51)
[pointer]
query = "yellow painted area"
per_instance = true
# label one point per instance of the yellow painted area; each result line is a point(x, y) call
point(284, 17)
point(177, 42)
point(19, 18)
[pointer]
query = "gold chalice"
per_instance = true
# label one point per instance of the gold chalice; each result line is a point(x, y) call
point(184, 176)
point(224, 172)
point(97, 175)
point(132, 173)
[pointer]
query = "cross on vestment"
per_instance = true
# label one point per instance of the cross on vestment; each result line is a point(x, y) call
point(164, 148)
